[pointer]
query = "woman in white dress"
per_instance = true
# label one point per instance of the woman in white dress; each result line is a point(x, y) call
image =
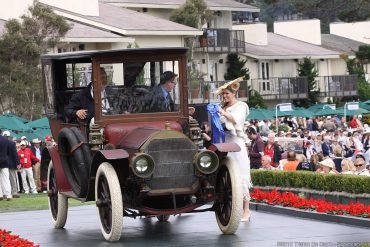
point(233, 114)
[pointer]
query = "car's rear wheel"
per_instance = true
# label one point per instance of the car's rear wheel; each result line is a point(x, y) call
point(73, 161)
point(109, 202)
point(229, 202)
point(163, 218)
point(58, 203)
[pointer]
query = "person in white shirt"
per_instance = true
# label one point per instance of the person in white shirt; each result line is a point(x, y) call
point(361, 167)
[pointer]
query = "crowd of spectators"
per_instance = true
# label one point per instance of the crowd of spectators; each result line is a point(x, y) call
point(323, 144)
point(20, 167)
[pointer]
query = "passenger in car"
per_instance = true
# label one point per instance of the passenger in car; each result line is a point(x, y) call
point(160, 99)
point(81, 105)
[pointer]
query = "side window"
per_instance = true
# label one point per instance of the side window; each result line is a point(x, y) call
point(78, 74)
point(139, 87)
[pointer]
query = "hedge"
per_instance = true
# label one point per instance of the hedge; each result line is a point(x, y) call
point(312, 180)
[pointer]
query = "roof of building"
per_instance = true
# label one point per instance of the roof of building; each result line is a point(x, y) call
point(84, 33)
point(340, 44)
point(129, 22)
point(80, 30)
point(281, 47)
point(227, 5)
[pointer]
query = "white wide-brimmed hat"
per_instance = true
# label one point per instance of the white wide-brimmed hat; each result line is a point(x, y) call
point(328, 163)
point(36, 140)
point(234, 85)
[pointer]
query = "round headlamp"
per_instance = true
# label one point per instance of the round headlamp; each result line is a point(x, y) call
point(142, 165)
point(206, 161)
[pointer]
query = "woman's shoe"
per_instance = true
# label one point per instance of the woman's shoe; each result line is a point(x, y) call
point(247, 219)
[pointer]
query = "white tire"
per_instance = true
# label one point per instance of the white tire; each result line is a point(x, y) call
point(58, 203)
point(109, 202)
point(229, 207)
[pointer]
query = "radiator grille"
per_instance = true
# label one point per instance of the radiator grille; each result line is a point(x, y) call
point(173, 159)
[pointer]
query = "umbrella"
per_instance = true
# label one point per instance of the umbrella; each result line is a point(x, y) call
point(30, 135)
point(12, 122)
point(359, 111)
point(326, 112)
point(365, 105)
point(281, 113)
point(39, 123)
point(301, 112)
point(43, 132)
point(317, 107)
point(23, 120)
point(259, 114)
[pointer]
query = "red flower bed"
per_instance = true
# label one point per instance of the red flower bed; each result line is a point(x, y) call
point(9, 240)
point(288, 199)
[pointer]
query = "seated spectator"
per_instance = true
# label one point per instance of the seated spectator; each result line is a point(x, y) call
point(266, 163)
point(327, 166)
point(272, 149)
point(291, 163)
point(338, 158)
point(361, 167)
point(310, 150)
point(304, 165)
point(348, 167)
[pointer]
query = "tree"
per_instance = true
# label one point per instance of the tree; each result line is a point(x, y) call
point(21, 46)
point(307, 69)
point(236, 67)
point(355, 67)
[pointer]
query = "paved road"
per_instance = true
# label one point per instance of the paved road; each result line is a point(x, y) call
point(82, 229)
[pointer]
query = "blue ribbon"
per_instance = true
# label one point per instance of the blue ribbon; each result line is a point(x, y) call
point(218, 134)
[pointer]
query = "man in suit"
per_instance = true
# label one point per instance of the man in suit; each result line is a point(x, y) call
point(160, 100)
point(81, 106)
point(14, 165)
point(5, 187)
point(327, 150)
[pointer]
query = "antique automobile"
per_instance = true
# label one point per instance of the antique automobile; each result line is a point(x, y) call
point(131, 157)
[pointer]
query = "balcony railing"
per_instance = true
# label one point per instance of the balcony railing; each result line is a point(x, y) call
point(279, 88)
point(271, 89)
point(337, 86)
point(220, 41)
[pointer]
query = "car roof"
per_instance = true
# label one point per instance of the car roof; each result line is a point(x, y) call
point(96, 53)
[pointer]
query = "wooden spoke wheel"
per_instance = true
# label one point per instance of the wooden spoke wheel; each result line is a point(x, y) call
point(58, 203)
point(109, 202)
point(229, 203)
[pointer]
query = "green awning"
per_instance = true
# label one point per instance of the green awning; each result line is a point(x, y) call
point(259, 114)
point(39, 123)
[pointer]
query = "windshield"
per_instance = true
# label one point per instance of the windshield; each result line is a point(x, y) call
point(139, 87)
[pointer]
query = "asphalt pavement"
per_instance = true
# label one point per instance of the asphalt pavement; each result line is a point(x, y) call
point(198, 229)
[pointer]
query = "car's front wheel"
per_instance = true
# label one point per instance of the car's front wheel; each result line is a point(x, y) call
point(109, 202)
point(229, 202)
point(58, 203)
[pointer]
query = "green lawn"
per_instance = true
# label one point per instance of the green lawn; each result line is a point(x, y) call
point(32, 202)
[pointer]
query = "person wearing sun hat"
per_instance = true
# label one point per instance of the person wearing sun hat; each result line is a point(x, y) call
point(327, 166)
point(232, 116)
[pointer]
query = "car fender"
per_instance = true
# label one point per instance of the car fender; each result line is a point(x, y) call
point(62, 182)
point(115, 157)
point(222, 149)
point(109, 156)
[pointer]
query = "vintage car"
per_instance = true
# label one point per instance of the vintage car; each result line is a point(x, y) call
point(132, 158)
